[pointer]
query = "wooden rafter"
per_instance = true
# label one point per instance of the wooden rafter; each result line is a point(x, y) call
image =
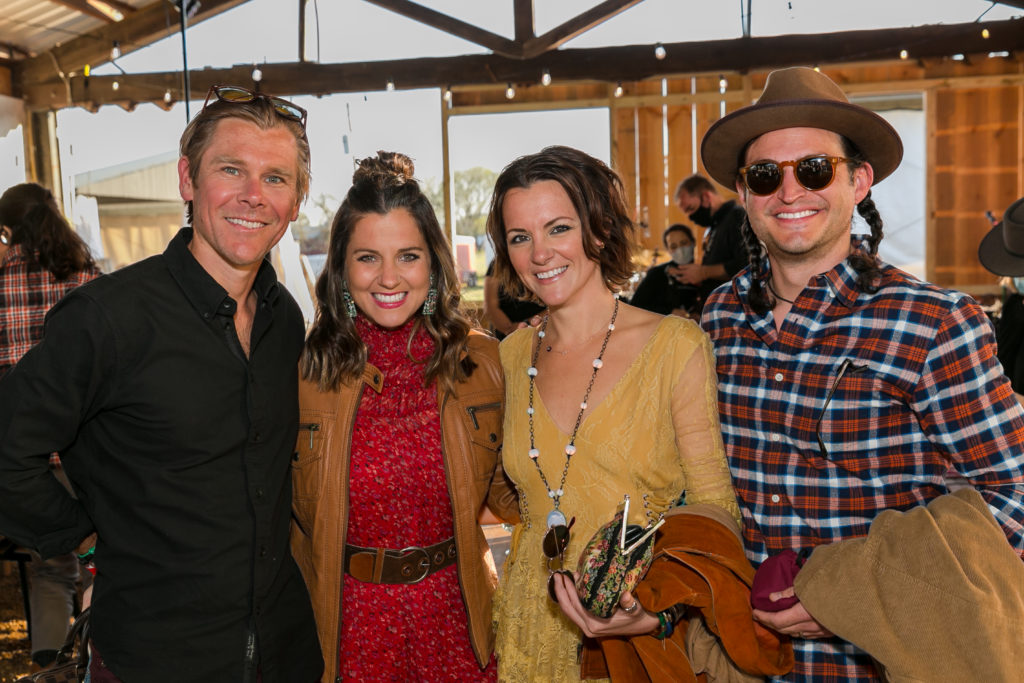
point(96, 10)
point(147, 25)
point(1012, 3)
point(581, 23)
point(608, 64)
point(523, 13)
point(443, 22)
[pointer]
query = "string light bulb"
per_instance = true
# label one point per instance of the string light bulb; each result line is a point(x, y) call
point(167, 96)
point(510, 92)
point(390, 85)
point(545, 78)
point(722, 84)
point(448, 95)
point(985, 34)
point(257, 74)
point(659, 51)
point(115, 52)
point(904, 54)
point(115, 85)
point(618, 89)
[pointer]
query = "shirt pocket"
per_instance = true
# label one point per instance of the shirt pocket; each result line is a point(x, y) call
point(862, 426)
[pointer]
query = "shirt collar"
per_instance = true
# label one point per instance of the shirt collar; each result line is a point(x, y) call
point(202, 291)
point(841, 279)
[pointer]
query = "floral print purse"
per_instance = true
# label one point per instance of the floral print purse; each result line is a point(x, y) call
point(613, 562)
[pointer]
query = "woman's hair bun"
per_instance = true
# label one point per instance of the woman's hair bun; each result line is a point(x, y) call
point(386, 166)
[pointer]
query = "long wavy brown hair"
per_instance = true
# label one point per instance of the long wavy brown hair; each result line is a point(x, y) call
point(48, 240)
point(334, 352)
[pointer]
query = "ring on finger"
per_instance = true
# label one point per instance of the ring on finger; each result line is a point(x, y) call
point(632, 608)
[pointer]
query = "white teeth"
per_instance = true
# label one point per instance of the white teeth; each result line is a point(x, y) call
point(244, 223)
point(798, 214)
point(551, 273)
point(389, 298)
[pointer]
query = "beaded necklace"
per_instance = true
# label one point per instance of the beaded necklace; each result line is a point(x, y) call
point(556, 517)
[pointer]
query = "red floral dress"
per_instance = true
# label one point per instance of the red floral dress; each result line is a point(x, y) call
point(398, 497)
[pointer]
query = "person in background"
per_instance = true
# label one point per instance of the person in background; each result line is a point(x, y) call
point(848, 389)
point(662, 290)
point(723, 254)
point(505, 312)
point(1002, 252)
point(603, 399)
point(399, 446)
point(41, 260)
point(170, 389)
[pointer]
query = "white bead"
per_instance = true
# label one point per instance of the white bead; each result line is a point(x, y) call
point(529, 411)
point(598, 363)
point(551, 494)
point(531, 371)
point(583, 406)
point(534, 453)
point(540, 333)
point(570, 449)
point(559, 492)
point(611, 326)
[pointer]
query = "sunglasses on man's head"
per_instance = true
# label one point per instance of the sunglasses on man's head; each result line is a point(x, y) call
point(815, 172)
point(233, 94)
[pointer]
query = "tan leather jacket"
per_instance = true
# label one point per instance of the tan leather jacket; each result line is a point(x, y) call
point(471, 421)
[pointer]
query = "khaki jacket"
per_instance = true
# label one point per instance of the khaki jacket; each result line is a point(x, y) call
point(932, 594)
point(471, 422)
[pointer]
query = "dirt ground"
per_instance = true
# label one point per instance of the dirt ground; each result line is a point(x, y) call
point(14, 644)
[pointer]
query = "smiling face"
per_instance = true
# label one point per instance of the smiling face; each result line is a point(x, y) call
point(387, 267)
point(243, 197)
point(799, 225)
point(545, 244)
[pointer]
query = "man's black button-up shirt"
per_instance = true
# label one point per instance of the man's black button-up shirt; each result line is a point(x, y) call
point(179, 448)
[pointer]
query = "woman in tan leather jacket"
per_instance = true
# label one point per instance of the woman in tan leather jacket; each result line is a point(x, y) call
point(398, 448)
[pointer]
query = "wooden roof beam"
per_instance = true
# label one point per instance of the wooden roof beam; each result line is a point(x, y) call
point(147, 25)
point(523, 18)
point(110, 11)
point(581, 23)
point(456, 27)
point(610, 64)
point(1012, 3)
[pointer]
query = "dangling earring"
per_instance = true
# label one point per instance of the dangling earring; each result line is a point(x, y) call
point(430, 303)
point(346, 299)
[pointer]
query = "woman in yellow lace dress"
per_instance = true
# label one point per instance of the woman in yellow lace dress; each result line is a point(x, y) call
point(603, 400)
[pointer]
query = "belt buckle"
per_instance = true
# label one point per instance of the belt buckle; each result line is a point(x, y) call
point(423, 565)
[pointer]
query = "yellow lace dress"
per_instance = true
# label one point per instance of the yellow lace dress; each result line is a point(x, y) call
point(655, 435)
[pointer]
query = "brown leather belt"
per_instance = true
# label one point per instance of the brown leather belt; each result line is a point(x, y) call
point(410, 565)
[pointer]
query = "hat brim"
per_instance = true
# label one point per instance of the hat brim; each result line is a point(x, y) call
point(727, 138)
point(993, 255)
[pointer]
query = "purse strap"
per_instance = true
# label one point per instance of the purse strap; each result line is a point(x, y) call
point(79, 631)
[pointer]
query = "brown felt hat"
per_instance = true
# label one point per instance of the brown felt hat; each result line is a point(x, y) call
point(799, 98)
point(1002, 249)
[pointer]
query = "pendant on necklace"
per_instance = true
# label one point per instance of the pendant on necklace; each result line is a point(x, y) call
point(556, 518)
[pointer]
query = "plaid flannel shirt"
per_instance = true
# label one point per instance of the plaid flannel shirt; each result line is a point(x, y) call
point(862, 402)
point(26, 294)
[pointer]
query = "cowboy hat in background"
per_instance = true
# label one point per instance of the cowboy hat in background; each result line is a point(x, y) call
point(799, 97)
point(1002, 249)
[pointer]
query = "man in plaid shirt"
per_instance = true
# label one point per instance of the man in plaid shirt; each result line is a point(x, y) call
point(846, 386)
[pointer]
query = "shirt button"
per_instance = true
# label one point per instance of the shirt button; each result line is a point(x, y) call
point(778, 377)
point(259, 494)
point(256, 436)
point(776, 438)
point(776, 498)
point(263, 551)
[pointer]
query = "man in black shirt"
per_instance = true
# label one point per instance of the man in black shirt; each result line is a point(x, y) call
point(724, 254)
point(170, 390)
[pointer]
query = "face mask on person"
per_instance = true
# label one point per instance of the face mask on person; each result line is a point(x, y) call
point(682, 255)
point(702, 216)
